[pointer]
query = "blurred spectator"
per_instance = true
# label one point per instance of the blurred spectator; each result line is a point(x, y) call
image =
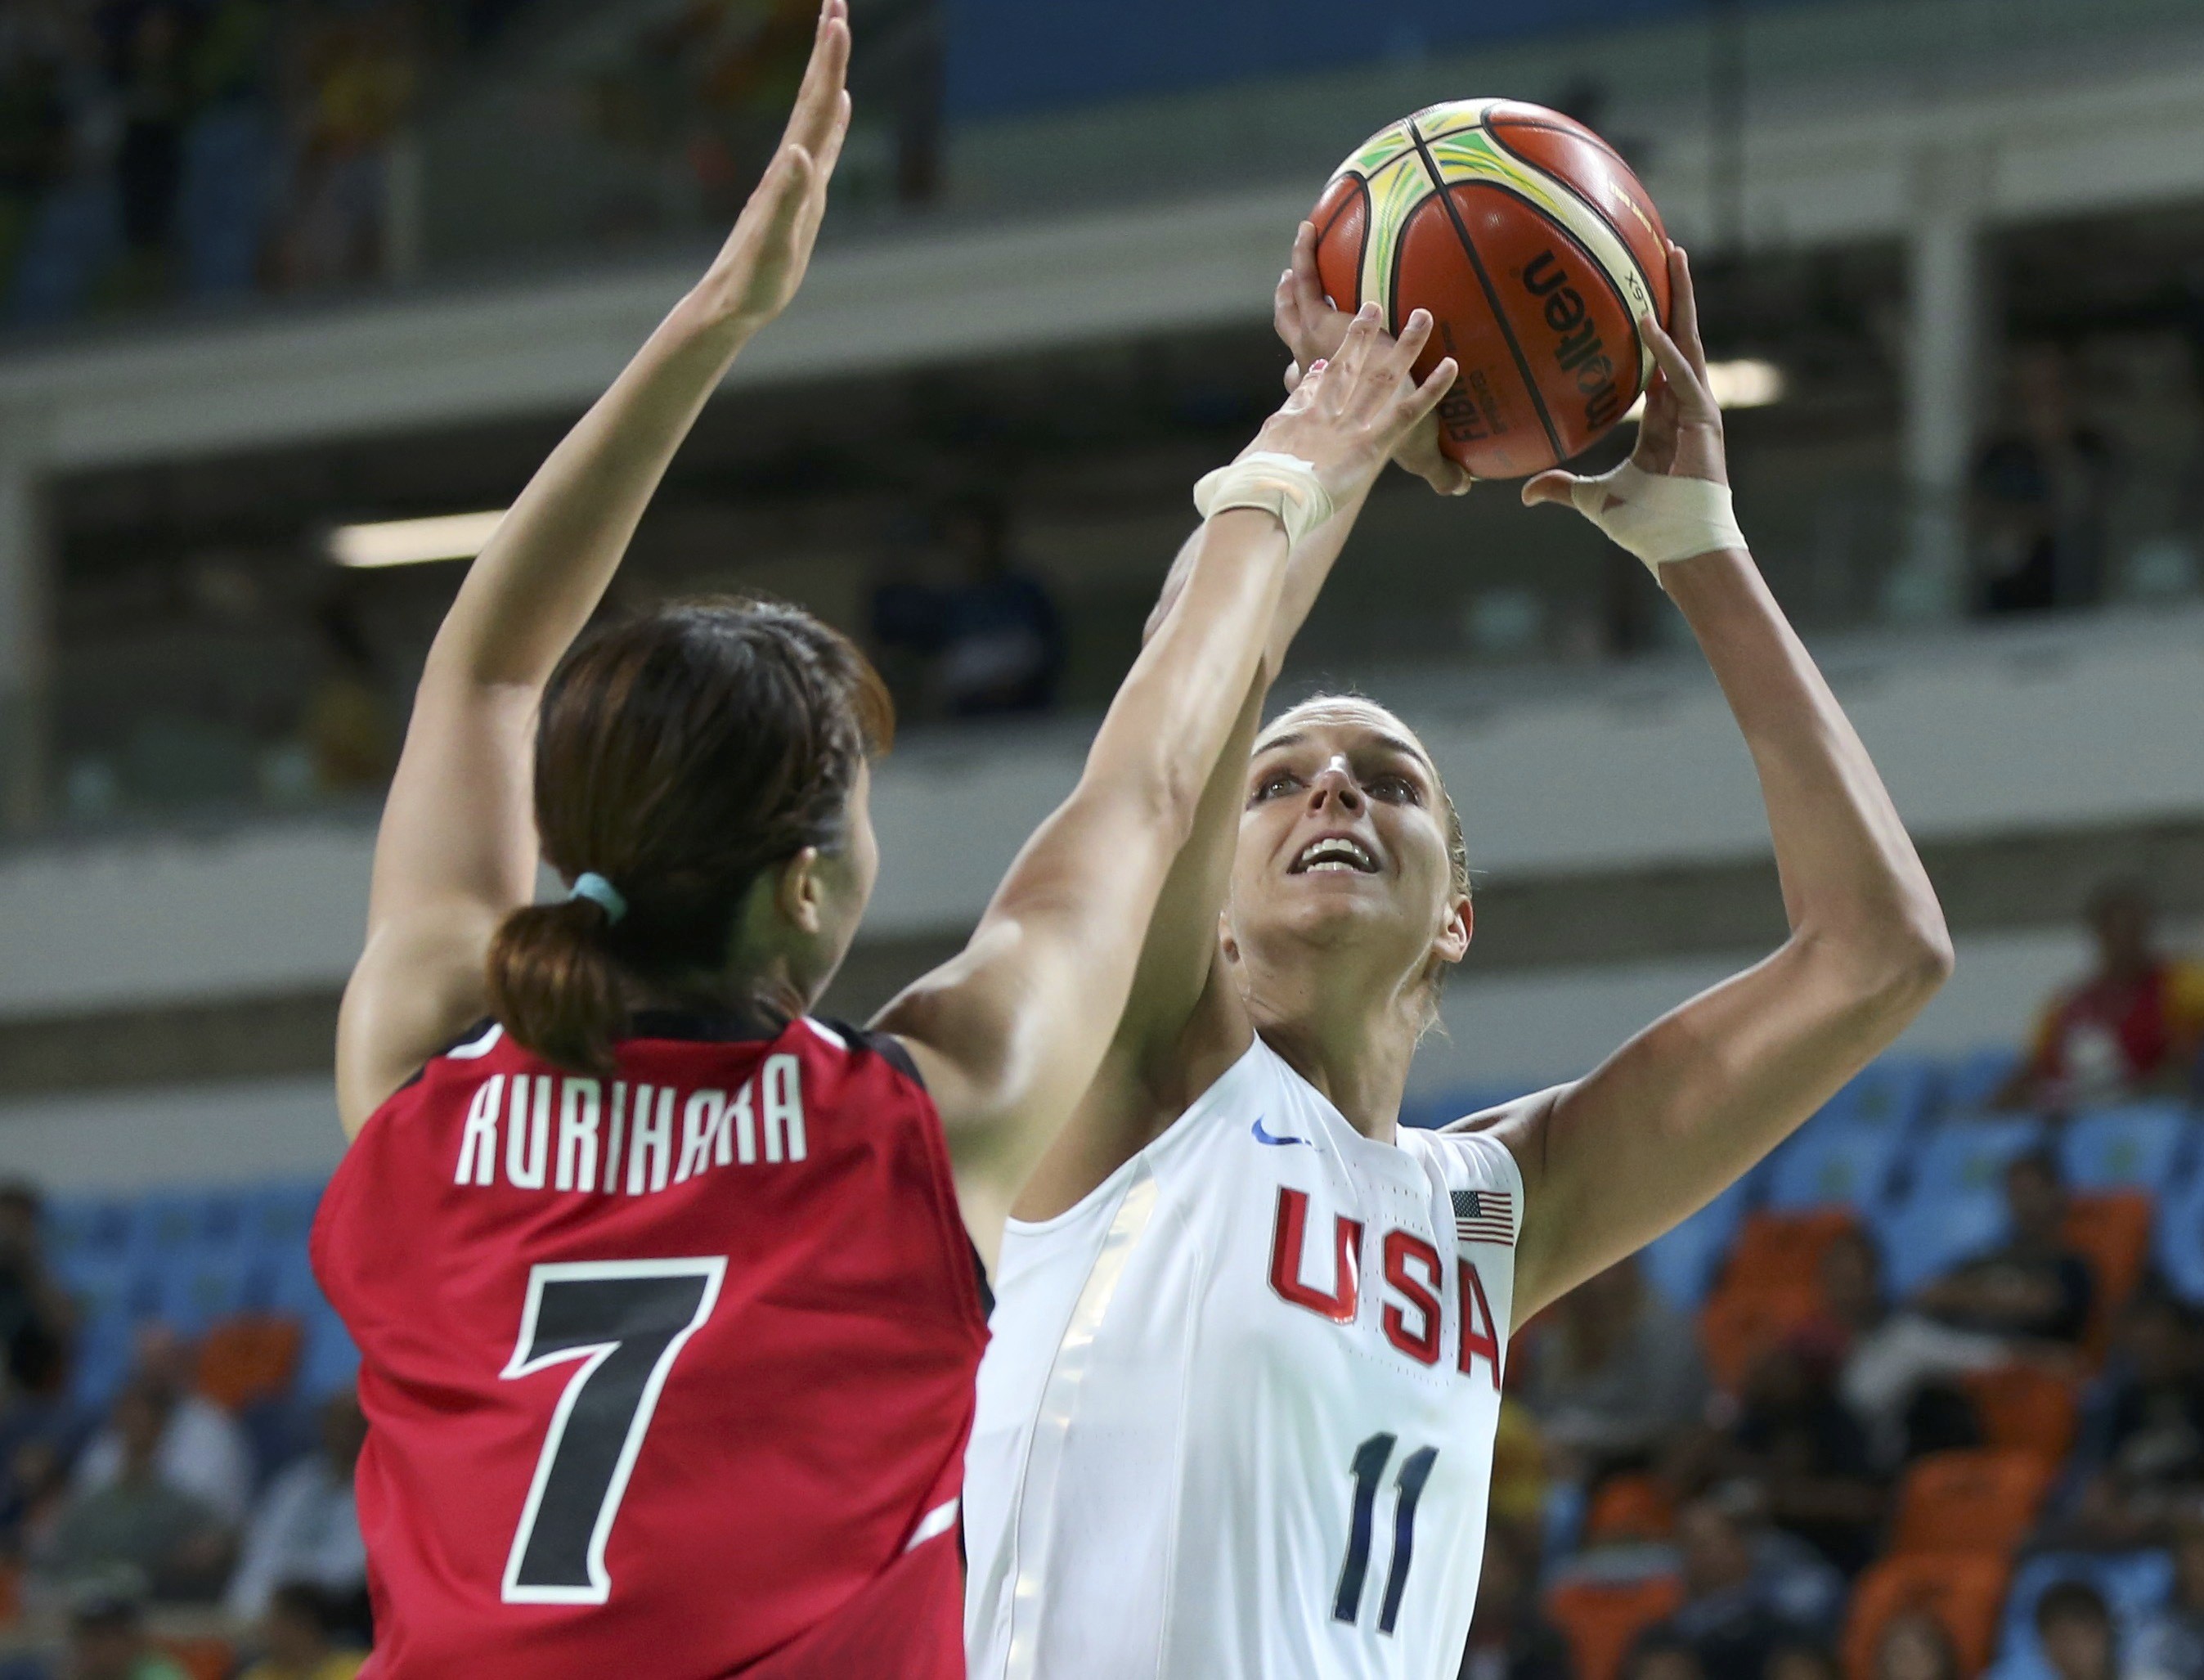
point(229, 163)
point(360, 68)
point(992, 640)
point(299, 1637)
point(306, 1528)
point(201, 1451)
point(1660, 1654)
point(1509, 1639)
point(1915, 1646)
point(2075, 1631)
point(347, 726)
point(1748, 1589)
point(2169, 1643)
point(1804, 1659)
point(2131, 1028)
point(107, 1635)
point(1616, 1379)
point(136, 1517)
point(2043, 492)
point(34, 1313)
point(2028, 1297)
point(1797, 1444)
point(149, 74)
point(2145, 1447)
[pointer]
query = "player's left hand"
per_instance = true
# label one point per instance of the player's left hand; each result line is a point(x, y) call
point(758, 269)
point(1680, 436)
point(1313, 330)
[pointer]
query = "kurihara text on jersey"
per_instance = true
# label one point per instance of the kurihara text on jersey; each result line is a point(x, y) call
point(762, 1121)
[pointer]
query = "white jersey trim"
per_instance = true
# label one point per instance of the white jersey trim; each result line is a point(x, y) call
point(1059, 1402)
point(939, 1520)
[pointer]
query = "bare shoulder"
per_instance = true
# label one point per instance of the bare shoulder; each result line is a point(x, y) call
point(1521, 1124)
point(420, 983)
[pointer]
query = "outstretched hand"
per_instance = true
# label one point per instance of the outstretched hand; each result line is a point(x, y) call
point(763, 261)
point(1346, 416)
point(1680, 436)
point(1312, 330)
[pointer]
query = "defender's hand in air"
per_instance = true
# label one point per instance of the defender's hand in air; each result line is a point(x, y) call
point(1670, 500)
point(1346, 416)
point(762, 263)
point(1312, 330)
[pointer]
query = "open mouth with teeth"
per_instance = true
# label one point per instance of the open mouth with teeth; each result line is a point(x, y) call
point(1333, 855)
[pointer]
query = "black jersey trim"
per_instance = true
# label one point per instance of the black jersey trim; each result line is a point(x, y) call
point(885, 1045)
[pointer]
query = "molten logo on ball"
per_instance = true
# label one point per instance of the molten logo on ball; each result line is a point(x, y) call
point(1579, 348)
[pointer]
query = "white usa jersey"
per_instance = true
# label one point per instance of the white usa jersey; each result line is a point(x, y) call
point(1236, 1418)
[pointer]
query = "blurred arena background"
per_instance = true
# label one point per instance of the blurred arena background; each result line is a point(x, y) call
point(294, 296)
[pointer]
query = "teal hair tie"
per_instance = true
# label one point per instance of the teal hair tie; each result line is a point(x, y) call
point(600, 892)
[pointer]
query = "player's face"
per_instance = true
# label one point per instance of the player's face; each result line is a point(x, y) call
point(1344, 838)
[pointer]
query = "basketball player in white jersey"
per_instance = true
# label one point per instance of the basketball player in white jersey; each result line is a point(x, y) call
point(1237, 1415)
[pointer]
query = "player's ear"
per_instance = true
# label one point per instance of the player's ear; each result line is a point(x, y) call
point(1231, 945)
point(800, 894)
point(1452, 944)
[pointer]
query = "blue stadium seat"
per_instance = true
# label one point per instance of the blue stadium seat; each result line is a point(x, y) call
point(1833, 1161)
point(1970, 1082)
point(2178, 1247)
point(1931, 1232)
point(330, 1361)
point(2136, 1146)
point(283, 1214)
point(1964, 1156)
point(1682, 1264)
point(1893, 1094)
point(2133, 1585)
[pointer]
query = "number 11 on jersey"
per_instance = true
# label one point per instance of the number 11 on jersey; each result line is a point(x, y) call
point(1368, 1469)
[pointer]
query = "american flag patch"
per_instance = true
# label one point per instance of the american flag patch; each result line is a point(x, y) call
point(1484, 1216)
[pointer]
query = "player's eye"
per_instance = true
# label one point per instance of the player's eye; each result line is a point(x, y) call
point(1396, 789)
point(1270, 784)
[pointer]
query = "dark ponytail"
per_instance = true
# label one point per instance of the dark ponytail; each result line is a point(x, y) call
point(678, 756)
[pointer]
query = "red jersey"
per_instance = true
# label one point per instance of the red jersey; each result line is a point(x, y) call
point(669, 1374)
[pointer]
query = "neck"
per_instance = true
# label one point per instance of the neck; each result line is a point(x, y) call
point(1349, 1034)
point(770, 987)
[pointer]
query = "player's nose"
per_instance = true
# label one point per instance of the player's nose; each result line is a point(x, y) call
point(1334, 786)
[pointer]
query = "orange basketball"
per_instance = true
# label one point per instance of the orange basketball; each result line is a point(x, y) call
point(1536, 251)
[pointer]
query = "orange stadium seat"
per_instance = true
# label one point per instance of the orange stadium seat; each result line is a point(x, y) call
point(1740, 1324)
point(2026, 1410)
point(1981, 1501)
point(1602, 1620)
point(2112, 1231)
point(11, 1593)
point(252, 1356)
point(1629, 1507)
point(1784, 1250)
point(203, 1657)
point(1964, 1594)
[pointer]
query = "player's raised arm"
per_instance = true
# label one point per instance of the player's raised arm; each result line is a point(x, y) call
point(1687, 1106)
point(1009, 1034)
point(457, 846)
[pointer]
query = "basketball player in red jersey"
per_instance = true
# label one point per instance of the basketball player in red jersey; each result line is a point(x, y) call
point(668, 1322)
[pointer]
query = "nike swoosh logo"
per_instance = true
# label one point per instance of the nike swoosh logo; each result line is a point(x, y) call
point(1263, 1136)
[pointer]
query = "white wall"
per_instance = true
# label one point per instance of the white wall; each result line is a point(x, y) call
point(1978, 734)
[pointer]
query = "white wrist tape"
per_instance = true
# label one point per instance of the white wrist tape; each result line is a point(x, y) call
point(1285, 486)
point(1657, 517)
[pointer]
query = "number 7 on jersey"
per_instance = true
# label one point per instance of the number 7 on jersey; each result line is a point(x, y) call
point(626, 1320)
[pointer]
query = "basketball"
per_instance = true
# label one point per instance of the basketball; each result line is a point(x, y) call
point(1536, 251)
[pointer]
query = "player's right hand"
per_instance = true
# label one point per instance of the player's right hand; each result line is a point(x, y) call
point(762, 263)
point(1312, 328)
point(1346, 416)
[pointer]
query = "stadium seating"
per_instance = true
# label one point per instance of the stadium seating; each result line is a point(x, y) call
point(1602, 1620)
point(1682, 1264)
point(2111, 1232)
point(2132, 1585)
point(1970, 1082)
point(2178, 1249)
point(1963, 1593)
point(2138, 1146)
point(1974, 1502)
point(2025, 1409)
